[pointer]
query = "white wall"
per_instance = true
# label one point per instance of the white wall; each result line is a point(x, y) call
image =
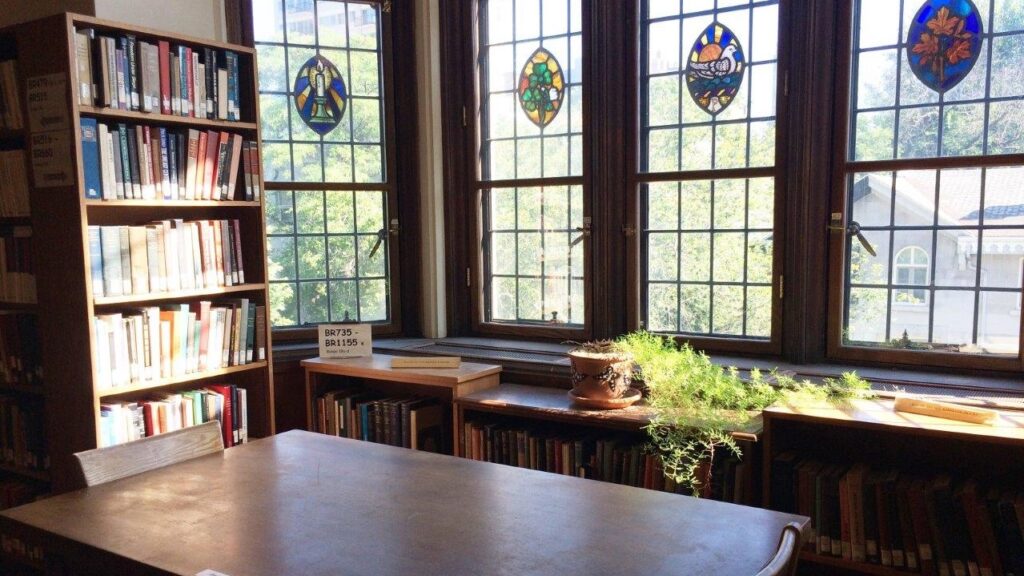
point(199, 18)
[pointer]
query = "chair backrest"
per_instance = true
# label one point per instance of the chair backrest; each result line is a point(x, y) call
point(784, 562)
point(107, 464)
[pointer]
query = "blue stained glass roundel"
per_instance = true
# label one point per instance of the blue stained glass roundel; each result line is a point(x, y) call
point(944, 42)
point(320, 94)
point(715, 68)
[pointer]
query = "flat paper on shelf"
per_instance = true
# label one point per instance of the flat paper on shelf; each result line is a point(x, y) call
point(51, 159)
point(345, 340)
point(47, 102)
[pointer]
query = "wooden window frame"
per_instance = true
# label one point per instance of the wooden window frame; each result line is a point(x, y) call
point(818, 90)
point(397, 22)
point(842, 166)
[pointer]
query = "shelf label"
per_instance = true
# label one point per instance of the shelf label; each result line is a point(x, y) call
point(47, 100)
point(51, 159)
point(345, 340)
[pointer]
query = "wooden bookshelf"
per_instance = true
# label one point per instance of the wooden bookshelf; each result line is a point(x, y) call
point(872, 433)
point(60, 219)
point(524, 404)
point(177, 295)
point(37, 475)
point(375, 373)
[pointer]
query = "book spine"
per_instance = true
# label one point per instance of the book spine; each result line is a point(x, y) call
point(131, 50)
point(96, 261)
point(91, 159)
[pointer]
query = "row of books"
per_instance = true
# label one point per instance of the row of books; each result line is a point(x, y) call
point(17, 492)
point(10, 103)
point(20, 357)
point(126, 73)
point(226, 403)
point(17, 276)
point(133, 162)
point(619, 459)
point(932, 525)
point(165, 256)
point(151, 344)
point(13, 184)
point(410, 422)
point(22, 436)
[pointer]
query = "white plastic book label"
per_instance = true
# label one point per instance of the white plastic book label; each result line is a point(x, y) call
point(345, 340)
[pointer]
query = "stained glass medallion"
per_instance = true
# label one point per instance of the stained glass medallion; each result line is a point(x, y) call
point(320, 94)
point(715, 68)
point(945, 42)
point(541, 87)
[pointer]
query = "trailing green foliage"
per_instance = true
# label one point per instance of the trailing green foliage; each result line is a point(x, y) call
point(698, 403)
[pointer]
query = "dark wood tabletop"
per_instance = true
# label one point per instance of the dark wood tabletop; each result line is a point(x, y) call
point(308, 504)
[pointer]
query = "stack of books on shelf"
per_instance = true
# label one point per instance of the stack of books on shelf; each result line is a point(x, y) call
point(165, 256)
point(10, 104)
point(911, 522)
point(20, 357)
point(125, 73)
point(127, 421)
point(134, 162)
point(153, 344)
point(22, 437)
point(17, 492)
point(409, 422)
point(17, 279)
point(620, 459)
point(13, 184)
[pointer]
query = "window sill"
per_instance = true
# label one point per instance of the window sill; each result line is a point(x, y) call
point(530, 362)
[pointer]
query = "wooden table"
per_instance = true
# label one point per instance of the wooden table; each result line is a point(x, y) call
point(309, 504)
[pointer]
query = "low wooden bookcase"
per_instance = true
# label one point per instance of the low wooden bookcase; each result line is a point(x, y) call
point(374, 373)
point(871, 433)
point(535, 406)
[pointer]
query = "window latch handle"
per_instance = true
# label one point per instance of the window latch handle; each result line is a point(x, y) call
point(853, 229)
point(381, 235)
point(583, 230)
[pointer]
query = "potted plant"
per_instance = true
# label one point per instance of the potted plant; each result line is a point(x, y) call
point(698, 404)
point(602, 375)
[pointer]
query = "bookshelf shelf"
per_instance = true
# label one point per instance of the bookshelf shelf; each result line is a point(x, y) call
point(180, 295)
point(15, 220)
point(832, 562)
point(195, 377)
point(30, 307)
point(163, 119)
point(21, 388)
point(64, 223)
point(38, 475)
point(171, 204)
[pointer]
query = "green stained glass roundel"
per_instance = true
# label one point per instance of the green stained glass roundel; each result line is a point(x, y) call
point(541, 87)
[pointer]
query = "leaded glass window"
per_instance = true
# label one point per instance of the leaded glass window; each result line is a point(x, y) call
point(935, 79)
point(330, 194)
point(709, 81)
point(531, 162)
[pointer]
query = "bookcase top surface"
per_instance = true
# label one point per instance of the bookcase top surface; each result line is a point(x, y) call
point(378, 367)
point(555, 404)
point(879, 413)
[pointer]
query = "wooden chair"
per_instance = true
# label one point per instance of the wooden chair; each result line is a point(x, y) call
point(784, 562)
point(107, 464)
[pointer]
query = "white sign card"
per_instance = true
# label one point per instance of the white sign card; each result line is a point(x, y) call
point(345, 340)
point(47, 102)
point(51, 159)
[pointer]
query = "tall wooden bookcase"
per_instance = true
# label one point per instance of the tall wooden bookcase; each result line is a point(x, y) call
point(60, 219)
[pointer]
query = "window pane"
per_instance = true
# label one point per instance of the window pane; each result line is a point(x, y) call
point(972, 221)
point(718, 242)
point(534, 272)
point(529, 90)
point(709, 85)
point(340, 255)
point(322, 119)
point(946, 270)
